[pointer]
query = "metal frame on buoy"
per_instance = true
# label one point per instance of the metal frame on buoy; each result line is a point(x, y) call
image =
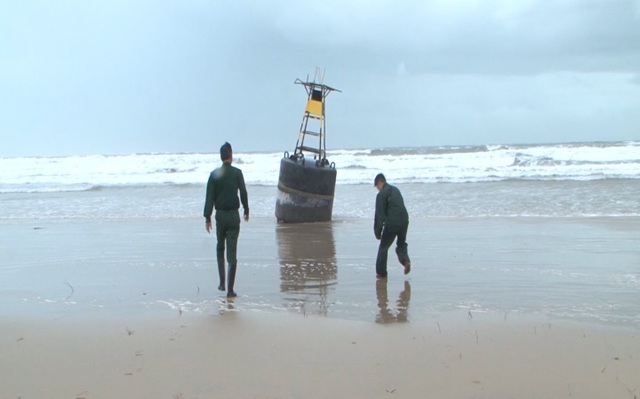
point(306, 188)
point(317, 91)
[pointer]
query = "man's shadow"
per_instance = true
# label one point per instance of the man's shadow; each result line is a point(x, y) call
point(386, 315)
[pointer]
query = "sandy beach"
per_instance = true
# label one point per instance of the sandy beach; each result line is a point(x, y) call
point(508, 308)
point(238, 355)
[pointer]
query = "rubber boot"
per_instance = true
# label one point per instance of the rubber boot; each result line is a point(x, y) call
point(232, 279)
point(221, 274)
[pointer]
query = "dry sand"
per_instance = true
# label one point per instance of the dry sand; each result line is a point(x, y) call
point(260, 355)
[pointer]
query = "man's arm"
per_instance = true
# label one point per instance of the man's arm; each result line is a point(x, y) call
point(244, 198)
point(209, 203)
point(378, 221)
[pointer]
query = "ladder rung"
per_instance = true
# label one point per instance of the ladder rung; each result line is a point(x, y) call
point(309, 149)
point(311, 133)
point(312, 116)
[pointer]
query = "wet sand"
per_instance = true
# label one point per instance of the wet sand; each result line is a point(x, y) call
point(492, 309)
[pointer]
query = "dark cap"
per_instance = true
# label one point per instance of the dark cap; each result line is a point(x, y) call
point(379, 178)
point(225, 151)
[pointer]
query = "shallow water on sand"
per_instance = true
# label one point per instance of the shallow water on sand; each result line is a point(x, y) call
point(585, 269)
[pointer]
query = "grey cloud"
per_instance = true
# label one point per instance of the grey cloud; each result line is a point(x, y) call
point(537, 37)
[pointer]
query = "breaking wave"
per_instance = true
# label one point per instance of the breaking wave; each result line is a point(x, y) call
point(452, 164)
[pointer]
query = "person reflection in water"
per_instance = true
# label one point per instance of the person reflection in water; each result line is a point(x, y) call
point(386, 315)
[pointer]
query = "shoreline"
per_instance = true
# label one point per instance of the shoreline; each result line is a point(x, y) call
point(577, 269)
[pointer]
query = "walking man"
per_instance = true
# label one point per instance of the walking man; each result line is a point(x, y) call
point(391, 222)
point(222, 193)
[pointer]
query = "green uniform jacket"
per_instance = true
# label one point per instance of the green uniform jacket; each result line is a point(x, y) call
point(390, 210)
point(222, 190)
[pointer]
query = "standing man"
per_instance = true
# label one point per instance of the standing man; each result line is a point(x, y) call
point(222, 193)
point(391, 222)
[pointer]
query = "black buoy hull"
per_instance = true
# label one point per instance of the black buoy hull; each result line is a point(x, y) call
point(305, 191)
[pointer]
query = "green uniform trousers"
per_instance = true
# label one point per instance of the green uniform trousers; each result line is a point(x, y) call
point(227, 232)
point(389, 234)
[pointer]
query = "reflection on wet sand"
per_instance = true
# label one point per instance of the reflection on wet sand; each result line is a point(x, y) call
point(386, 315)
point(308, 267)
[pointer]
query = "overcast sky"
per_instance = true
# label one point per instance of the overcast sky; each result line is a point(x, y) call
point(118, 77)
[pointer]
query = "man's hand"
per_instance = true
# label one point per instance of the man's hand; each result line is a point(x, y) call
point(246, 216)
point(207, 225)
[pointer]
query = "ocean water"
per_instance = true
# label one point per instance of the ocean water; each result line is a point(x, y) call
point(545, 228)
point(559, 180)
